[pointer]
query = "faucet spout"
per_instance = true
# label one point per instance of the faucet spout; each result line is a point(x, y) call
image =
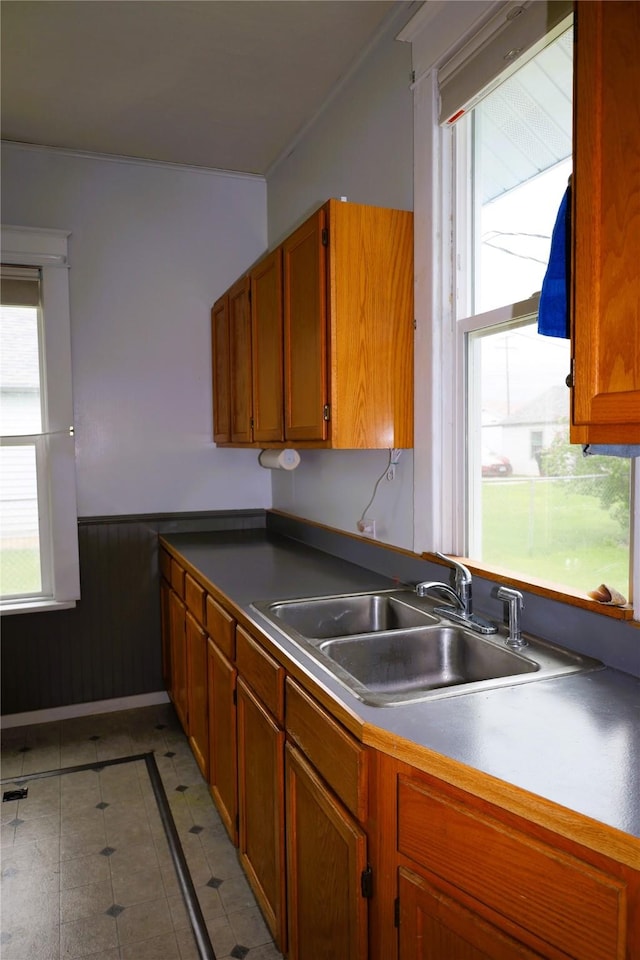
point(428, 586)
point(462, 610)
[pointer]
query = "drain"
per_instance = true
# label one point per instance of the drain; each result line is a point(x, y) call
point(15, 794)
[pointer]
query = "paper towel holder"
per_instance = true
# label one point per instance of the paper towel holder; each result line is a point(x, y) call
point(286, 459)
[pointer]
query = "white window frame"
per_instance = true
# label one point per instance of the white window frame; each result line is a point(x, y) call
point(55, 449)
point(438, 35)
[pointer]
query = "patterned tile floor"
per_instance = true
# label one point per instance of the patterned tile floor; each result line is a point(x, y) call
point(86, 868)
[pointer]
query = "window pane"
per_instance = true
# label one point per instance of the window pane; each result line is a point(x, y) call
point(522, 136)
point(20, 573)
point(20, 400)
point(537, 505)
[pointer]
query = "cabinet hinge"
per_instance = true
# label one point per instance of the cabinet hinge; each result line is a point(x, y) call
point(325, 237)
point(326, 412)
point(396, 912)
point(251, 422)
point(570, 379)
point(366, 882)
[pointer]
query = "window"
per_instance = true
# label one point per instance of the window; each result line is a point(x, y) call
point(495, 477)
point(38, 522)
point(538, 509)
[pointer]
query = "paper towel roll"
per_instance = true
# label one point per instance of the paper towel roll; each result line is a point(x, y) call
point(279, 459)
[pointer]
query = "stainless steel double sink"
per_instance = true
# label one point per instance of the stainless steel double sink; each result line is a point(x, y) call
point(388, 647)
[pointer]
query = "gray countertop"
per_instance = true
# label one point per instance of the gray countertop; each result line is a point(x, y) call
point(574, 741)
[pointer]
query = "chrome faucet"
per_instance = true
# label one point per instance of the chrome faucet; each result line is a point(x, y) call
point(461, 596)
point(515, 600)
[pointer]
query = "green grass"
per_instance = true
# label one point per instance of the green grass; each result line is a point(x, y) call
point(552, 532)
point(19, 572)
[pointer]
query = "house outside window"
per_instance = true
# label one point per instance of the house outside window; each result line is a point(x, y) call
point(39, 566)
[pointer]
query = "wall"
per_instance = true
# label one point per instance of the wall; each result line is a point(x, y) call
point(151, 247)
point(361, 147)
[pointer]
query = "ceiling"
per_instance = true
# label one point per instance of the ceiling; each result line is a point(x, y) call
point(227, 84)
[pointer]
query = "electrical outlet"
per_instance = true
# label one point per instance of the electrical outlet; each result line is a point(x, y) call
point(367, 527)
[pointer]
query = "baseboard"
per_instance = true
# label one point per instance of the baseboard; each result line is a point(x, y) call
point(83, 709)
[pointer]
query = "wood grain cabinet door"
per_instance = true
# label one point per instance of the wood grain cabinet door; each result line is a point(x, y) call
point(178, 692)
point(606, 314)
point(223, 767)
point(240, 362)
point(434, 926)
point(261, 807)
point(196, 640)
point(326, 856)
point(266, 348)
point(305, 331)
point(165, 625)
point(221, 370)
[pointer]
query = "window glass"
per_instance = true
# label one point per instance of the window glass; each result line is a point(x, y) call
point(21, 573)
point(535, 505)
point(521, 161)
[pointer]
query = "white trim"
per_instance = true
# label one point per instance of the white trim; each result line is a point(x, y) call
point(57, 507)
point(436, 403)
point(83, 709)
point(634, 550)
point(136, 161)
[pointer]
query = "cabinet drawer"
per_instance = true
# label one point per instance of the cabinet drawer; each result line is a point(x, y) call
point(335, 754)
point(261, 672)
point(194, 597)
point(165, 565)
point(177, 578)
point(221, 627)
point(558, 898)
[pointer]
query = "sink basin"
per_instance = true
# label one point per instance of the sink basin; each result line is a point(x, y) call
point(388, 648)
point(440, 656)
point(346, 615)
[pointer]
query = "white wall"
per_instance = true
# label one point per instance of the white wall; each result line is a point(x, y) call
point(360, 147)
point(151, 247)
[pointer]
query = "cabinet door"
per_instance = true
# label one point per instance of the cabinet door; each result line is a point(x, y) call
point(305, 331)
point(196, 640)
point(434, 926)
point(326, 855)
point(165, 625)
point(240, 353)
point(223, 769)
point(220, 371)
point(261, 807)
point(266, 345)
point(606, 325)
point(177, 614)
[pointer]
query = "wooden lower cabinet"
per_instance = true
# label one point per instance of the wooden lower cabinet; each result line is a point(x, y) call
point(261, 807)
point(223, 766)
point(165, 628)
point(434, 926)
point(326, 857)
point(196, 643)
point(179, 679)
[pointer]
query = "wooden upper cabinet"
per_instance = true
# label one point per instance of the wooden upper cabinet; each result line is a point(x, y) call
point(348, 327)
point(606, 217)
point(266, 334)
point(370, 289)
point(305, 331)
point(221, 370)
point(324, 356)
point(240, 358)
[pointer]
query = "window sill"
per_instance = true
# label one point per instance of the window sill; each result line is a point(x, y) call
point(543, 588)
point(8, 607)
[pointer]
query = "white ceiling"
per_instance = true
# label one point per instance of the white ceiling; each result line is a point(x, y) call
point(216, 83)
